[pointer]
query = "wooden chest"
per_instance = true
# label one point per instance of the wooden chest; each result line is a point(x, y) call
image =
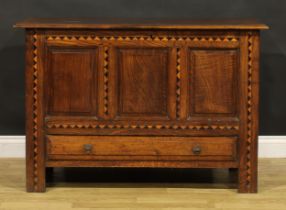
point(123, 93)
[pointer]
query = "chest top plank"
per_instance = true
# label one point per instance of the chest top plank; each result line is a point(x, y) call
point(125, 23)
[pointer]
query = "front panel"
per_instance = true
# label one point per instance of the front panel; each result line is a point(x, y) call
point(71, 81)
point(142, 83)
point(213, 82)
point(137, 83)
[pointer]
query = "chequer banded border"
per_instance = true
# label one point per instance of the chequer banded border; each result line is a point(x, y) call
point(143, 38)
point(249, 111)
point(106, 79)
point(35, 112)
point(141, 126)
point(178, 83)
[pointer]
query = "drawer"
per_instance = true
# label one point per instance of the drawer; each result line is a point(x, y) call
point(140, 148)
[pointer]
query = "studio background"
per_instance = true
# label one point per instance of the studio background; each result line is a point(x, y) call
point(273, 45)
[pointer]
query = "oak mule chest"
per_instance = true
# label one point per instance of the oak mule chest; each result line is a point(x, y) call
point(125, 93)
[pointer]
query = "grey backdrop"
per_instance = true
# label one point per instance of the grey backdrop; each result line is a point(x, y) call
point(273, 60)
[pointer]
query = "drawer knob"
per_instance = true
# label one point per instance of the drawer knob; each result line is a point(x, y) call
point(197, 150)
point(87, 148)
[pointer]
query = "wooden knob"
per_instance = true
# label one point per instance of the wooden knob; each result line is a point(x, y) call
point(197, 150)
point(87, 148)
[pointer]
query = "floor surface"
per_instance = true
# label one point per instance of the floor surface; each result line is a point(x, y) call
point(88, 188)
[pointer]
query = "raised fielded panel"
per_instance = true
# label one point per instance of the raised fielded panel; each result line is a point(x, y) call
point(71, 81)
point(143, 83)
point(213, 82)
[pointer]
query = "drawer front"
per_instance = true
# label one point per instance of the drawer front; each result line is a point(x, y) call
point(140, 148)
